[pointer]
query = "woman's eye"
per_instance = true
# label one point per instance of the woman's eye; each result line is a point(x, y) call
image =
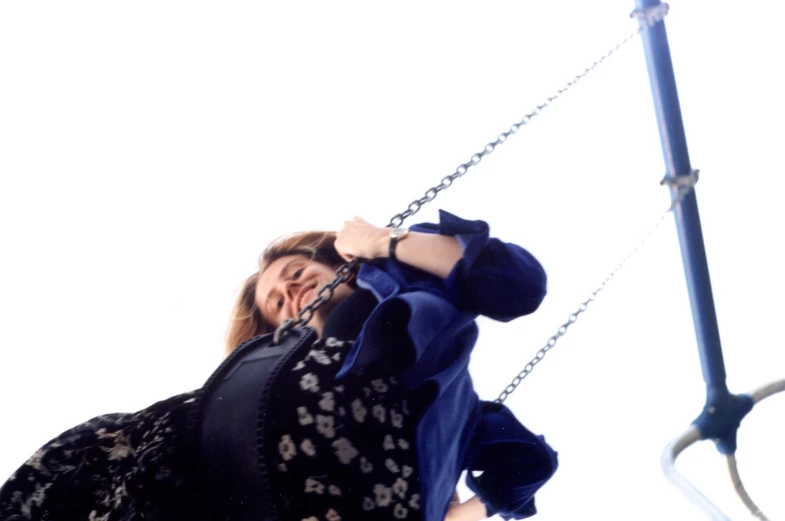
point(280, 303)
point(296, 275)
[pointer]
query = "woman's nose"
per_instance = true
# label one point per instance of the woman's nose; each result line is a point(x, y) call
point(290, 288)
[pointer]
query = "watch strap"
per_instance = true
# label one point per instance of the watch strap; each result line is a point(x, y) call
point(396, 236)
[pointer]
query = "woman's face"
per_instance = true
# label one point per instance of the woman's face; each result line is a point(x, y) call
point(292, 282)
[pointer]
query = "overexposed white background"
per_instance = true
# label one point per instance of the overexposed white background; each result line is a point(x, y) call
point(149, 151)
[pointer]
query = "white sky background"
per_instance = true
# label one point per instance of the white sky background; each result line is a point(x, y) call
point(149, 151)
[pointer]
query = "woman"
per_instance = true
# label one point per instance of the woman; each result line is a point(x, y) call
point(375, 420)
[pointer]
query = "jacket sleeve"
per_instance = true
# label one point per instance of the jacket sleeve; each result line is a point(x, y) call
point(496, 279)
point(514, 464)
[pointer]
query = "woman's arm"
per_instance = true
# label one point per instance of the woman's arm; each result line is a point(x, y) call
point(432, 253)
point(471, 510)
point(435, 254)
point(476, 272)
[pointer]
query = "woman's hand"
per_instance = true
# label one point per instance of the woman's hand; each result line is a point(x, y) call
point(471, 510)
point(359, 238)
point(430, 252)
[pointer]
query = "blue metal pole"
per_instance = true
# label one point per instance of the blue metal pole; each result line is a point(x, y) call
point(688, 224)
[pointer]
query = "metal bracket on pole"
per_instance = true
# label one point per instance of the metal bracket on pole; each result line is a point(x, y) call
point(693, 435)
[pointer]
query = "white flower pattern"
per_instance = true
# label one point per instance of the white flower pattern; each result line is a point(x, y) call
point(396, 419)
point(35, 460)
point(121, 448)
point(383, 495)
point(310, 382)
point(392, 466)
point(345, 450)
point(286, 447)
point(333, 421)
point(374, 457)
point(307, 447)
point(305, 417)
point(100, 469)
point(325, 425)
point(366, 466)
point(400, 487)
point(311, 485)
point(358, 411)
point(400, 511)
point(327, 403)
point(379, 386)
point(389, 443)
point(320, 357)
point(379, 412)
point(333, 342)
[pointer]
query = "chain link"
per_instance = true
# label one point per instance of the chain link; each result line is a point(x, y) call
point(682, 190)
point(342, 274)
point(646, 17)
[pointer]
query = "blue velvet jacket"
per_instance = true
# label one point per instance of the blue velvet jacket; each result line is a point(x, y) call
point(458, 431)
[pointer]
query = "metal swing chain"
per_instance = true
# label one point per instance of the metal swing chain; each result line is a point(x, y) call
point(647, 17)
point(342, 274)
point(684, 185)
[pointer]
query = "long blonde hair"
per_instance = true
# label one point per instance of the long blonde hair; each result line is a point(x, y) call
point(246, 321)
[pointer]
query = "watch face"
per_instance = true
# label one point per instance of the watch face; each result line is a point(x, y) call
point(398, 232)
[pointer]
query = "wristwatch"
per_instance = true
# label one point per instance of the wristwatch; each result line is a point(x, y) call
point(396, 236)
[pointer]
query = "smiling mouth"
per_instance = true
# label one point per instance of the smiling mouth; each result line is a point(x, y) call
point(304, 297)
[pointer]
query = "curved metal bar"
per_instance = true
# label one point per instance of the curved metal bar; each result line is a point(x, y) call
point(767, 390)
point(741, 491)
point(757, 395)
point(668, 462)
point(693, 435)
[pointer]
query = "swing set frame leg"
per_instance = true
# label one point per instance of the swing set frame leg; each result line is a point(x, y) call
point(694, 435)
point(723, 411)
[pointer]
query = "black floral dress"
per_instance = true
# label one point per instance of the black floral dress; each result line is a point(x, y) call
point(343, 450)
point(337, 450)
point(113, 467)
